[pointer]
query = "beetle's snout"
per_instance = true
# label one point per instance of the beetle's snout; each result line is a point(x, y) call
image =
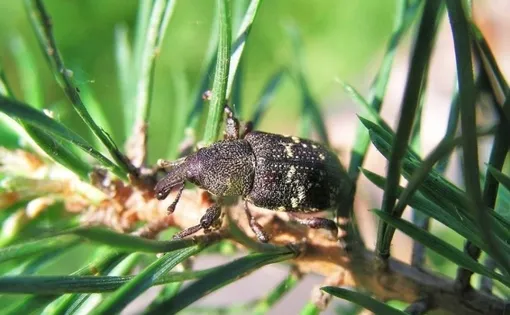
point(175, 177)
point(162, 189)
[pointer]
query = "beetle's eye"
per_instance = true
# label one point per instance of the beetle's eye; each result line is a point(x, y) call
point(161, 195)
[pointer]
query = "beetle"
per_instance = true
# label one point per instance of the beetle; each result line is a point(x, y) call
point(276, 172)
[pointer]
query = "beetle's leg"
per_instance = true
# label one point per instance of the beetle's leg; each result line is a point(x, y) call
point(247, 128)
point(211, 214)
point(254, 225)
point(187, 232)
point(318, 223)
point(164, 164)
point(171, 207)
point(232, 126)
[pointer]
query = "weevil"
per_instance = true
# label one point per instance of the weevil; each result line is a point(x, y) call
point(276, 172)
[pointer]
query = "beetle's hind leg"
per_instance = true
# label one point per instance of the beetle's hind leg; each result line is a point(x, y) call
point(211, 215)
point(232, 125)
point(247, 128)
point(232, 129)
point(318, 223)
point(255, 226)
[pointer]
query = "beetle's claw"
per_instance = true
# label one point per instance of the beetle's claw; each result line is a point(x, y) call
point(262, 237)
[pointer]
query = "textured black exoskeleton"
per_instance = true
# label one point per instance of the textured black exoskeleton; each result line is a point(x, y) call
point(276, 172)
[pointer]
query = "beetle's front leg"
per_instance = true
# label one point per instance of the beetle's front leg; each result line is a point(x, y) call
point(255, 226)
point(232, 125)
point(211, 215)
point(168, 165)
point(161, 165)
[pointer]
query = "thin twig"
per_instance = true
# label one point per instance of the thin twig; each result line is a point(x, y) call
point(419, 219)
point(405, 13)
point(310, 112)
point(161, 12)
point(497, 158)
point(486, 283)
point(418, 253)
point(11, 124)
point(43, 26)
point(215, 114)
point(415, 85)
point(160, 16)
point(238, 46)
point(477, 204)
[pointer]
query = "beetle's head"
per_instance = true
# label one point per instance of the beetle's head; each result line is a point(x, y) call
point(187, 170)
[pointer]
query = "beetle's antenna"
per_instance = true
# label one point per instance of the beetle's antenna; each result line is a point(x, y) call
point(171, 207)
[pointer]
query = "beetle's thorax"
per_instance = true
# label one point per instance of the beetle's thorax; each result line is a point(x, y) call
point(225, 168)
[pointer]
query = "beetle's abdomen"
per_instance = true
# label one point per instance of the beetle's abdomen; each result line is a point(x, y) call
point(293, 174)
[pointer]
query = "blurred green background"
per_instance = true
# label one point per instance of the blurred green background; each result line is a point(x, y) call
point(339, 37)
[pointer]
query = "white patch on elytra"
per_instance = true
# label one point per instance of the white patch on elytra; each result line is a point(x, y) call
point(290, 173)
point(296, 139)
point(304, 145)
point(301, 193)
point(280, 208)
point(314, 146)
point(322, 156)
point(294, 202)
point(288, 149)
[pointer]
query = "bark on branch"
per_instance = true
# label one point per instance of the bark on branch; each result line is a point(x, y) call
point(358, 268)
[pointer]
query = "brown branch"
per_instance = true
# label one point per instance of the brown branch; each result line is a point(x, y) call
point(400, 281)
point(127, 205)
